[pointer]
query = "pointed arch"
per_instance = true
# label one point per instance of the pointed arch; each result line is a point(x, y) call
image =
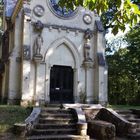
point(72, 48)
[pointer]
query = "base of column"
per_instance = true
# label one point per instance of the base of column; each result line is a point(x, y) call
point(89, 100)
point(103, 103)
point(13, 101)
point(32, 103)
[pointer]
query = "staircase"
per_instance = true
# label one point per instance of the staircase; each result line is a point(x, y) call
point(134, 118)
point(56, 124)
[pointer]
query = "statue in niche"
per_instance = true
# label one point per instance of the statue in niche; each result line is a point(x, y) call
point(88, 35)
point(38, 44)
point(87, 46)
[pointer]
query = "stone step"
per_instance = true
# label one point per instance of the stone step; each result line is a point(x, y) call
point(53, 105)
point(57, 120)
point(55, 111)
point(136, 111)
point(59, 137)
point(129, 116)
point(47, 115)
point(134, 136)
point(56, 124)
point(124, 111)
point(53, 126)
point(54, 132)
point(136, 120)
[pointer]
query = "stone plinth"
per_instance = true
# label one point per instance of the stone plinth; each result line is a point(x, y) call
point(37, 57)
point(101, 130)
point(82, 129)
point(19, 129)
point(88, 64)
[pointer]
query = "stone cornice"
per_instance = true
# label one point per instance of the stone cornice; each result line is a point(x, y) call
point(66, 28)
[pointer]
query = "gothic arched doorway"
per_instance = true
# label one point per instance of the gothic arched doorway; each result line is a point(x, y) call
point(61, 84)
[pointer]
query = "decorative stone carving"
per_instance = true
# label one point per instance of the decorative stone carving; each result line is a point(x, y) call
point(26, 53)
point(38, 44)
point(37, 47)
point(38, 26)
point(88, 62)
point(39, 10)
point(61, 12)
point(87, 19)
point(88, 35)
point(87, 46)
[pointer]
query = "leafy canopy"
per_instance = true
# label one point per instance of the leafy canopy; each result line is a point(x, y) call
point(121, 12)
point(124, 69)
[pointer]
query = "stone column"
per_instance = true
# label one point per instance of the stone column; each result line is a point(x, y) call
point(27, 66)
point(26, 79)
point(14, 94)
point(88, 66)
point(89, 85)
point(100, 68)
point(40, 83)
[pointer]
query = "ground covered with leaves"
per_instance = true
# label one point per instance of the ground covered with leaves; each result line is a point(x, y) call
point(9, 115)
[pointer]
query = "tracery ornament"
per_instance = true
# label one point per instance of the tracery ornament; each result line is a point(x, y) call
point(62, 12)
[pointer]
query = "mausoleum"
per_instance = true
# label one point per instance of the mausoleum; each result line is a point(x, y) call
point(52, 54)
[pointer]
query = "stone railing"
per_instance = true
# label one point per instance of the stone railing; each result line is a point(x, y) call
point(123, 127)
point(25, 127)
point(32, 119)
point(81, 124)
point(81, 119)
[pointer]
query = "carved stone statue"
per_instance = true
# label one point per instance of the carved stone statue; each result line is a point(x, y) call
point(87, 36)
point(87, 46)
point(38, 44)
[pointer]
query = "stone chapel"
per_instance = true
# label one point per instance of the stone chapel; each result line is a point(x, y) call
point(52, 54)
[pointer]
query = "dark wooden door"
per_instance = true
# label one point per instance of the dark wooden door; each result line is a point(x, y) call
point(61, 84)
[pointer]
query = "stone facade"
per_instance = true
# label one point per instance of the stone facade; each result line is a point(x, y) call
point(45, 44)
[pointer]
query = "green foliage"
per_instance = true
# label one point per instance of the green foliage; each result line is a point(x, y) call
point(121, 12)
point(10, 115)
point(123, 107)
point(124, 71)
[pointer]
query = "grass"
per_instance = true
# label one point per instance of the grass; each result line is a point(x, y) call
point(123, 107)
point(10, 115)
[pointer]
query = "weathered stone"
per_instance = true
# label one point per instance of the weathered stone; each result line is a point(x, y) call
point(43, 42)
point(19, 128)
point(123, 127)
point(82, 129)
point(101, 130)
point(56, 123)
